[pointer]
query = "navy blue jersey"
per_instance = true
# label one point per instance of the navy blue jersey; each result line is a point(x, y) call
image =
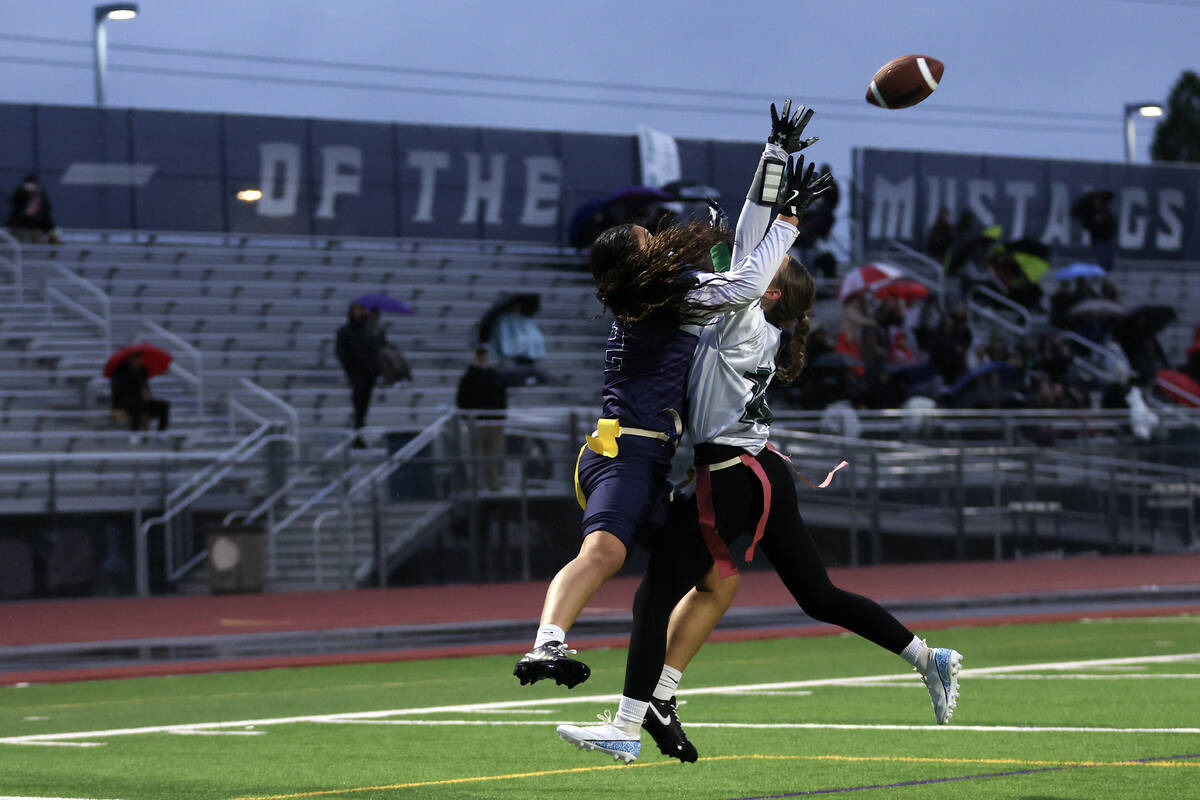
point(645, 374)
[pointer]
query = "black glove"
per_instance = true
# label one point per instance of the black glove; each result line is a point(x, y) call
point(799, 187)
point(786, 130)
point(717, 218)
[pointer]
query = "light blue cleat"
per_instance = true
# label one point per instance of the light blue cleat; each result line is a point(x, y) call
point(606, 738)
point(938, 668)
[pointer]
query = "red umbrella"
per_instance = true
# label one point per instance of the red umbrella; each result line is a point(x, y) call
point(907, 291)
point(154, 359)
point(1179, 387)
point(868, 277)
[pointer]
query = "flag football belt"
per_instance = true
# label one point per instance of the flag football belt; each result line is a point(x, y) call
point(603, 441)
point(708, 518)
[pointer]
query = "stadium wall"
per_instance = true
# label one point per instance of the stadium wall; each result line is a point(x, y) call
point(178, 171)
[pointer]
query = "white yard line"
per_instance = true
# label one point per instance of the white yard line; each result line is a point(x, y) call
point(466, 708)
point(840, 726)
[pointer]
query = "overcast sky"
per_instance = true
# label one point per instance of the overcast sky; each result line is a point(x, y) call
point(1025, 77)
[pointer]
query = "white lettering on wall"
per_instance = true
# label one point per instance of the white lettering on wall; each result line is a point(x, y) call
point(489, 192)
point(279, 180)
point(1058, 219)
point(892, 209)
point(334, 181)
point(1170, 205)
point(1132, 226)
point(1021, 192)
point(543, 190)
point(427, 162)
point(980, 194)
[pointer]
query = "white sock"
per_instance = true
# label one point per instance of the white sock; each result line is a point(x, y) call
point(548, 633)
point(668, 682)
point(630, 715)
point(912, 652)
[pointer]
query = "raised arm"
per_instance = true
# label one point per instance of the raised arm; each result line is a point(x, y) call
point(752, 274)
point(787, 130)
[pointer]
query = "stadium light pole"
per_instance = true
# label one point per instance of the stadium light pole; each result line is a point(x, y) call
point(1132, 111)
point(102, 14)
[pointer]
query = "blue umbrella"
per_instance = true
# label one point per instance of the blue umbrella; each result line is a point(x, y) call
point(384, 303)
point(1079, 269)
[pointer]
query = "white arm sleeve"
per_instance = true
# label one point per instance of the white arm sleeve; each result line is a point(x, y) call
point(755, 217)
point(749, 277)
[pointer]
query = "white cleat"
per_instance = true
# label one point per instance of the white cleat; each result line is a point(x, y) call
point(605, 738)
point(938, 668)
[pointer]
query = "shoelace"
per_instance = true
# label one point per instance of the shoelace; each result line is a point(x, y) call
point(606, 717)
point(562, 649)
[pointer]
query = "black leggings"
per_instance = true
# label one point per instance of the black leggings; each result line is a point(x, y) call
point(681, 559)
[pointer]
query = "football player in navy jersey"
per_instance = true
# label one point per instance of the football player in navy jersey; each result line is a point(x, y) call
point(662, 295)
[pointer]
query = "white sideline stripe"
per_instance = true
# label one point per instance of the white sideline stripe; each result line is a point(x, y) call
point(840, 726)
point(216, 733)
point(878, 97)
point(926, 74)
point(65, 744)
point(467, 708)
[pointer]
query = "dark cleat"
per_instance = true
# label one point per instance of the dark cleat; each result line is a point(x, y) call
point(551, 660)
point(662, 722)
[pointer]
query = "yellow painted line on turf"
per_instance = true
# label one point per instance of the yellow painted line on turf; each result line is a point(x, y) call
point(748, 757)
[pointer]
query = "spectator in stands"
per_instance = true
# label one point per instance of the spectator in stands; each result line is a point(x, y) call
point(481, 388)
point(819, 220)
point(1093, 212)
point(358, 350)
point(949, 343)
point(131, 395)
point(940, 242)
point(1192, 366)
point(30, 219)
point(517, 341)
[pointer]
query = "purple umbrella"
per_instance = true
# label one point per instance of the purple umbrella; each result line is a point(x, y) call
point(384, 303)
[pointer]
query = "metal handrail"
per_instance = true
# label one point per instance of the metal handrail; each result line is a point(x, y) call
point(196, 378)
point(229, 460)
point(14, 264)
point(1178, 392)
point(382, 472)
point(1026, 320)
point(103, 320)
point(278, 402)
point(1114, 357)
point(937, 283)
point(228, 454)
point(250, 515)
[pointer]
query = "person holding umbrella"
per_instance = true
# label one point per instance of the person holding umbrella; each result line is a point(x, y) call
point(129, 370)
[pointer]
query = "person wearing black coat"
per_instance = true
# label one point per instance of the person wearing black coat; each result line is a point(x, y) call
point(131, 394)
point(483, 388)
point(29, 217)
point(358, 350)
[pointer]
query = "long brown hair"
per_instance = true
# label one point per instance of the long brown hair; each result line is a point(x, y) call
point(650, 283)
point(796, 294)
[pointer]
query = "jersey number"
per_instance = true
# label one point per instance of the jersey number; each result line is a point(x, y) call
point(756, 409)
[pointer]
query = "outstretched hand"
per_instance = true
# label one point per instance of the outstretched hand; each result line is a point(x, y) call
point(800, 188)
point(786, 129)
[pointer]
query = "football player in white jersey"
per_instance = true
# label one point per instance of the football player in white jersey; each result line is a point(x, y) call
point(743, 485)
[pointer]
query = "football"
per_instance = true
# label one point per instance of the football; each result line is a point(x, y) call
point(904, 81)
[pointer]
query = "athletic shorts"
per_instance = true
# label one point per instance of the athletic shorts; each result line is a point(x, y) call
point(628, 495)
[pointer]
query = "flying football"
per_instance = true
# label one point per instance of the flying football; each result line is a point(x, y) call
point(904, 81)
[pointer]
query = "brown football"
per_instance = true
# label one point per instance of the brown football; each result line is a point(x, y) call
point(904, 81)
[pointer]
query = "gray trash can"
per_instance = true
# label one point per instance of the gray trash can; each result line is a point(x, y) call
point(237, 558)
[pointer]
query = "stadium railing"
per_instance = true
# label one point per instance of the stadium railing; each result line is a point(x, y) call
point(12, 263)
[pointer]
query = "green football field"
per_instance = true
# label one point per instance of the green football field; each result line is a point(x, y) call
point(1093, 709)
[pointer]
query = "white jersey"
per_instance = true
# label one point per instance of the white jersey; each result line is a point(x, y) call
point(735, 358)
